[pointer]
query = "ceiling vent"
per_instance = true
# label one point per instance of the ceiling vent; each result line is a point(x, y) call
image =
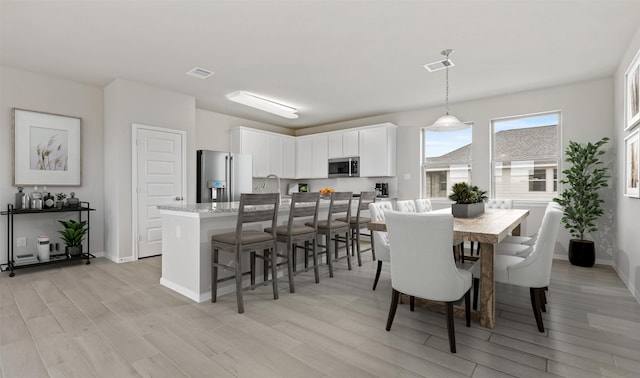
point(439, 65)
point(198, 72)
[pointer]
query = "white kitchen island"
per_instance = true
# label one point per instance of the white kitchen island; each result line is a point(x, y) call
point(186, 245)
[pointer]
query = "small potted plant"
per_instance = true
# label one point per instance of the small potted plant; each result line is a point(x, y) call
point(469, 200)
point(73, 235)
point(60, 200)
point(580, 198)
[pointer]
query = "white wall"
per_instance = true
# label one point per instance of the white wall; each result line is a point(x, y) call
point(126, 103)
point(31, 91)
point(627, 247)
point(587, 115)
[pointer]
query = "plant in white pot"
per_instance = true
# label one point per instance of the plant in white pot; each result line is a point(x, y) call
point(580, 198)
point(469, 200)
point(73, 235)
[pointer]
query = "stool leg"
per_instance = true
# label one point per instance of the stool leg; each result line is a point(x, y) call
point(357, 244)
point(214, 277)
point(347, 246)
point(290, 253)
point(328, 252)
point(274, 271)
point(316, 270)
point(252, 267)
point(265, 266)
point(239, 281)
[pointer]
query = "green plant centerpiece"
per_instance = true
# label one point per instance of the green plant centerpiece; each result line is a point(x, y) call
point(469, 200)
point(580, 198)
point(73, 235)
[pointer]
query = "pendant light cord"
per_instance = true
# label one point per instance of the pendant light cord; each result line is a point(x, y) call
point(446, 96)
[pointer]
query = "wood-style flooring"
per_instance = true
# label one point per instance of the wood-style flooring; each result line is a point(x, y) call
point(115, 320)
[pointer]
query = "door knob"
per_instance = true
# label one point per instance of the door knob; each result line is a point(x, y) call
point(179, 198)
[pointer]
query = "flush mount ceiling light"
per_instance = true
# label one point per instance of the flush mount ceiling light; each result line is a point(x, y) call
point(447, 122)
point(200, 73)
point(263, 104)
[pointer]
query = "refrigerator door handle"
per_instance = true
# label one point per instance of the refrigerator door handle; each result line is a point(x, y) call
point(228, 176)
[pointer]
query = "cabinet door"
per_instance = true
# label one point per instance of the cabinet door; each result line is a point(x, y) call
point(288, 158)
point(274, 146)
point(350, 143)
point(335, 145)
point(303, 157)
point(320, 160)
point(377, 152)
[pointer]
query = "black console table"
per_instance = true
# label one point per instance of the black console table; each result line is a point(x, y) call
point(83, 208)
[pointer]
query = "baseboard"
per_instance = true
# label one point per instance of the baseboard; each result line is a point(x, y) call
point(608, 262)
point(116, 259)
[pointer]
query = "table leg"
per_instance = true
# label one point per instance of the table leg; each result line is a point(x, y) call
point(487, 286)
point(516, 231)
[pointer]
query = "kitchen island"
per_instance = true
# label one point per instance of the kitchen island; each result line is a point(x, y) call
point(186, 244)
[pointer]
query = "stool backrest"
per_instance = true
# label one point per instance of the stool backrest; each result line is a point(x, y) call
point(363, 203)
point(340, 204)
point(257, 207)
point(304, 205)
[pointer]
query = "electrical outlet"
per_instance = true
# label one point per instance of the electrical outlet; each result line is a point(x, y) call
point(21, 242)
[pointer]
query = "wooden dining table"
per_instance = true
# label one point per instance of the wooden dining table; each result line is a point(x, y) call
point(488, 230)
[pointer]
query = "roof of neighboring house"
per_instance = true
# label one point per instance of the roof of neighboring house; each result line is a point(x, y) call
point(514, 144)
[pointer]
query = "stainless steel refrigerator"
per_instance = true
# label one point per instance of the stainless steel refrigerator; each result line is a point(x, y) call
point(222, 176)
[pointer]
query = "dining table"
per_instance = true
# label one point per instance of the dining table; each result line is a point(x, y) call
point(487, 229)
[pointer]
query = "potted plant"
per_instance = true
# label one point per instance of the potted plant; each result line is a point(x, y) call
point(469, 200)
point(73, 235)
point(580, 198)
point(60, 200)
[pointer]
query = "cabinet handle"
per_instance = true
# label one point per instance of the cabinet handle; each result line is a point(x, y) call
point(179, 198)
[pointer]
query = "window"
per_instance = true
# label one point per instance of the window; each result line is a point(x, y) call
point(525, 155)
point(446, 160)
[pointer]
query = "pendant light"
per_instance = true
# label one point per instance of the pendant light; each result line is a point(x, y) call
point(447, 122)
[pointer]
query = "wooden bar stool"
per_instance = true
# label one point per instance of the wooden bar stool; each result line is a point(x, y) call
point(303, 205)
point(340, 204)
point(359, 222)
point(253, 208)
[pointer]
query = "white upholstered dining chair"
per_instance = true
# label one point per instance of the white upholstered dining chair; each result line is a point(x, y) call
point(406, 206)
point(421, 265)
point(423, 205)
point(380, 238)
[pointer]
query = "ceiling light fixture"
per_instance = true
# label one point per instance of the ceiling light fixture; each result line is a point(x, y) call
point(263, 104)
point(447, 122)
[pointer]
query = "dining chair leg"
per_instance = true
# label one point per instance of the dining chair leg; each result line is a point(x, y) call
point(375, 281)
point(239, 282)
point(395, 295)
point(535, 304)
point(467, 307)
point(543, 299)
point(274, 271)
point(476, 288)
point(214, 276)
point(450, 327)
point(412, 303)
point(373, 249)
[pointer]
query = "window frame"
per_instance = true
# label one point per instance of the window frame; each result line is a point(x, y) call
point(493, 161)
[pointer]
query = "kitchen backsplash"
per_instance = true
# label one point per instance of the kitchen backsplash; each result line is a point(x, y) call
point(347, 184)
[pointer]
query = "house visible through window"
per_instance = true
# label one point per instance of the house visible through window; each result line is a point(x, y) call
point(446, 160)
point(525, 155)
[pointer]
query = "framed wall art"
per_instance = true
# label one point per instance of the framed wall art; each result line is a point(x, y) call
point(632, 165)
point(46, 149)
point(632, 93)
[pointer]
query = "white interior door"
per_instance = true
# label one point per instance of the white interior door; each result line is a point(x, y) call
point(160, 181)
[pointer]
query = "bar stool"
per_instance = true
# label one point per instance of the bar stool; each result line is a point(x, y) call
point(358, 222)
point(340, 204)
point(253, 208)
point(303, 205)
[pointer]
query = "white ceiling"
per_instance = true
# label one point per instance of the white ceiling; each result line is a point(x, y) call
point(334, 60)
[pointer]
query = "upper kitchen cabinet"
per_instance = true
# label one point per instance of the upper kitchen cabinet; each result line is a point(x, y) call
point(378, 150)
point(344, 144)
point(272, 153)
point(312, 156)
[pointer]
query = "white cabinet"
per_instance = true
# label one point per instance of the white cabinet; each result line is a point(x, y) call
point(378, 151)
point(272, 153)
point(344, 144)
point(312, 156)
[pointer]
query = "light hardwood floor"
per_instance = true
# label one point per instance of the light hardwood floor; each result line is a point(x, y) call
point(115, 320)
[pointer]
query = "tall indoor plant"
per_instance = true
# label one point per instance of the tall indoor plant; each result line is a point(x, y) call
point(469, 200)
point(580, 198)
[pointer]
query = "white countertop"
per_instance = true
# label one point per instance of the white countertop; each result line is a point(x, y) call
point(216, 209)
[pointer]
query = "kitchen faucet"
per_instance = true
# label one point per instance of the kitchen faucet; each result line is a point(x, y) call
point(264, 184)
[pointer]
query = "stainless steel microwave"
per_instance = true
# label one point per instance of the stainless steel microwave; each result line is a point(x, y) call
point(344, 167)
